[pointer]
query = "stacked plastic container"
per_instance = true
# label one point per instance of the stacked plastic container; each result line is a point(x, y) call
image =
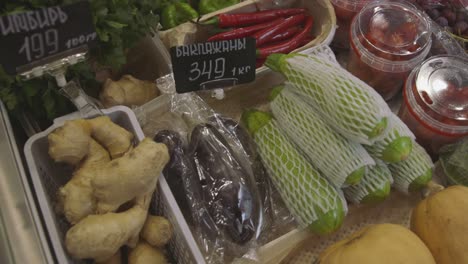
point(388, 40)
point(345, 11)
point(435, 105)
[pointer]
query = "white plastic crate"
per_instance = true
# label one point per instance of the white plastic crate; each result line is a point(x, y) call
point(47, 176)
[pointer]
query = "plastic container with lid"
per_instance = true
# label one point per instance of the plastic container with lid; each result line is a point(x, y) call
point(345, 11)
point(435, 105)
point(388, 40)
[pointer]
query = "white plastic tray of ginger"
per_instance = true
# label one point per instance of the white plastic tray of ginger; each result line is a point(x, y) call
point(106, 201)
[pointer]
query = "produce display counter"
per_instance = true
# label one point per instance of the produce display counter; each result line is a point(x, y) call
point(318, 152)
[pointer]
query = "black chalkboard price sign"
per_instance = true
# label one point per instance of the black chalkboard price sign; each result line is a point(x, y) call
point(210, 65)
point(37, 37)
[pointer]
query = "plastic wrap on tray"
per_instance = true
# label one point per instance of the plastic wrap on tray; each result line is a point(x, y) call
point(217, 179)
point(227, 187)
point(276, 217)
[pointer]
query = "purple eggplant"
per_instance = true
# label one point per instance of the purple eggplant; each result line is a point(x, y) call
point(275, 212)
point(182, 178)
point(178, 166)
point(226, 184)
point(261, 178)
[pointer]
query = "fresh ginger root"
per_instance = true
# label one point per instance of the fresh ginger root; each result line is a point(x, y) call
point(128, 91)
point(122, 179)
point(115, 259)
point(100, 236)
point(113, 137)
point(143, 201)
point(70, 143)
point(76, 197)
point(144, 253)
point(157, 231)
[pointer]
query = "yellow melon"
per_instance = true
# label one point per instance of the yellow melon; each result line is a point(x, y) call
point(441, 221)
point(379, 244)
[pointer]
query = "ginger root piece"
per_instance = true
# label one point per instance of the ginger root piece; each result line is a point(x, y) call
point(115, 259)
point(157, 231)
point(183, 34)
point(128, 91)
point(99, 237)
point(123, 179)
point(70, 142)
point(97, 154)
point(143, 201)
point(144, 253)
point(76, 197)
point(113, 137)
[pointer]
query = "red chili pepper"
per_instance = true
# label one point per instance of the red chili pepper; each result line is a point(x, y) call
point(259, 63)
point(244, 19)
point(288, 33)
point(267, 34)
point(244, 31)
point(289, 45)
point(305, 41)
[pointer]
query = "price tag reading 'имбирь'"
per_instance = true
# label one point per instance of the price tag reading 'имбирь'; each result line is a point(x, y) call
point(210, 65)
point(34, 38)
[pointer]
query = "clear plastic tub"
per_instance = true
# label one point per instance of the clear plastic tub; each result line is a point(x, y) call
point(435, 105)
point(388, 40)
point(345, 11)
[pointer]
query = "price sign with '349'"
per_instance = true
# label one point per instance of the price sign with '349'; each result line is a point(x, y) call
point(36, 37)
point(216, 64)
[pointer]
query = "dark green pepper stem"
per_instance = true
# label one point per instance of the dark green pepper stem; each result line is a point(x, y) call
point(209, 6)
point(214, 21)
point(176, 14)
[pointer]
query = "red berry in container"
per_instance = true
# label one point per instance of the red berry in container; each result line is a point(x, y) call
point(408, 31)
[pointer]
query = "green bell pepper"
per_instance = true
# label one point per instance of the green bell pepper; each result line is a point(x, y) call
point(176, 14)
point(208, 6)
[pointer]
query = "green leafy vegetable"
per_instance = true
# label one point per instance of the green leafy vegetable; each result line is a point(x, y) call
point(208, 6)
